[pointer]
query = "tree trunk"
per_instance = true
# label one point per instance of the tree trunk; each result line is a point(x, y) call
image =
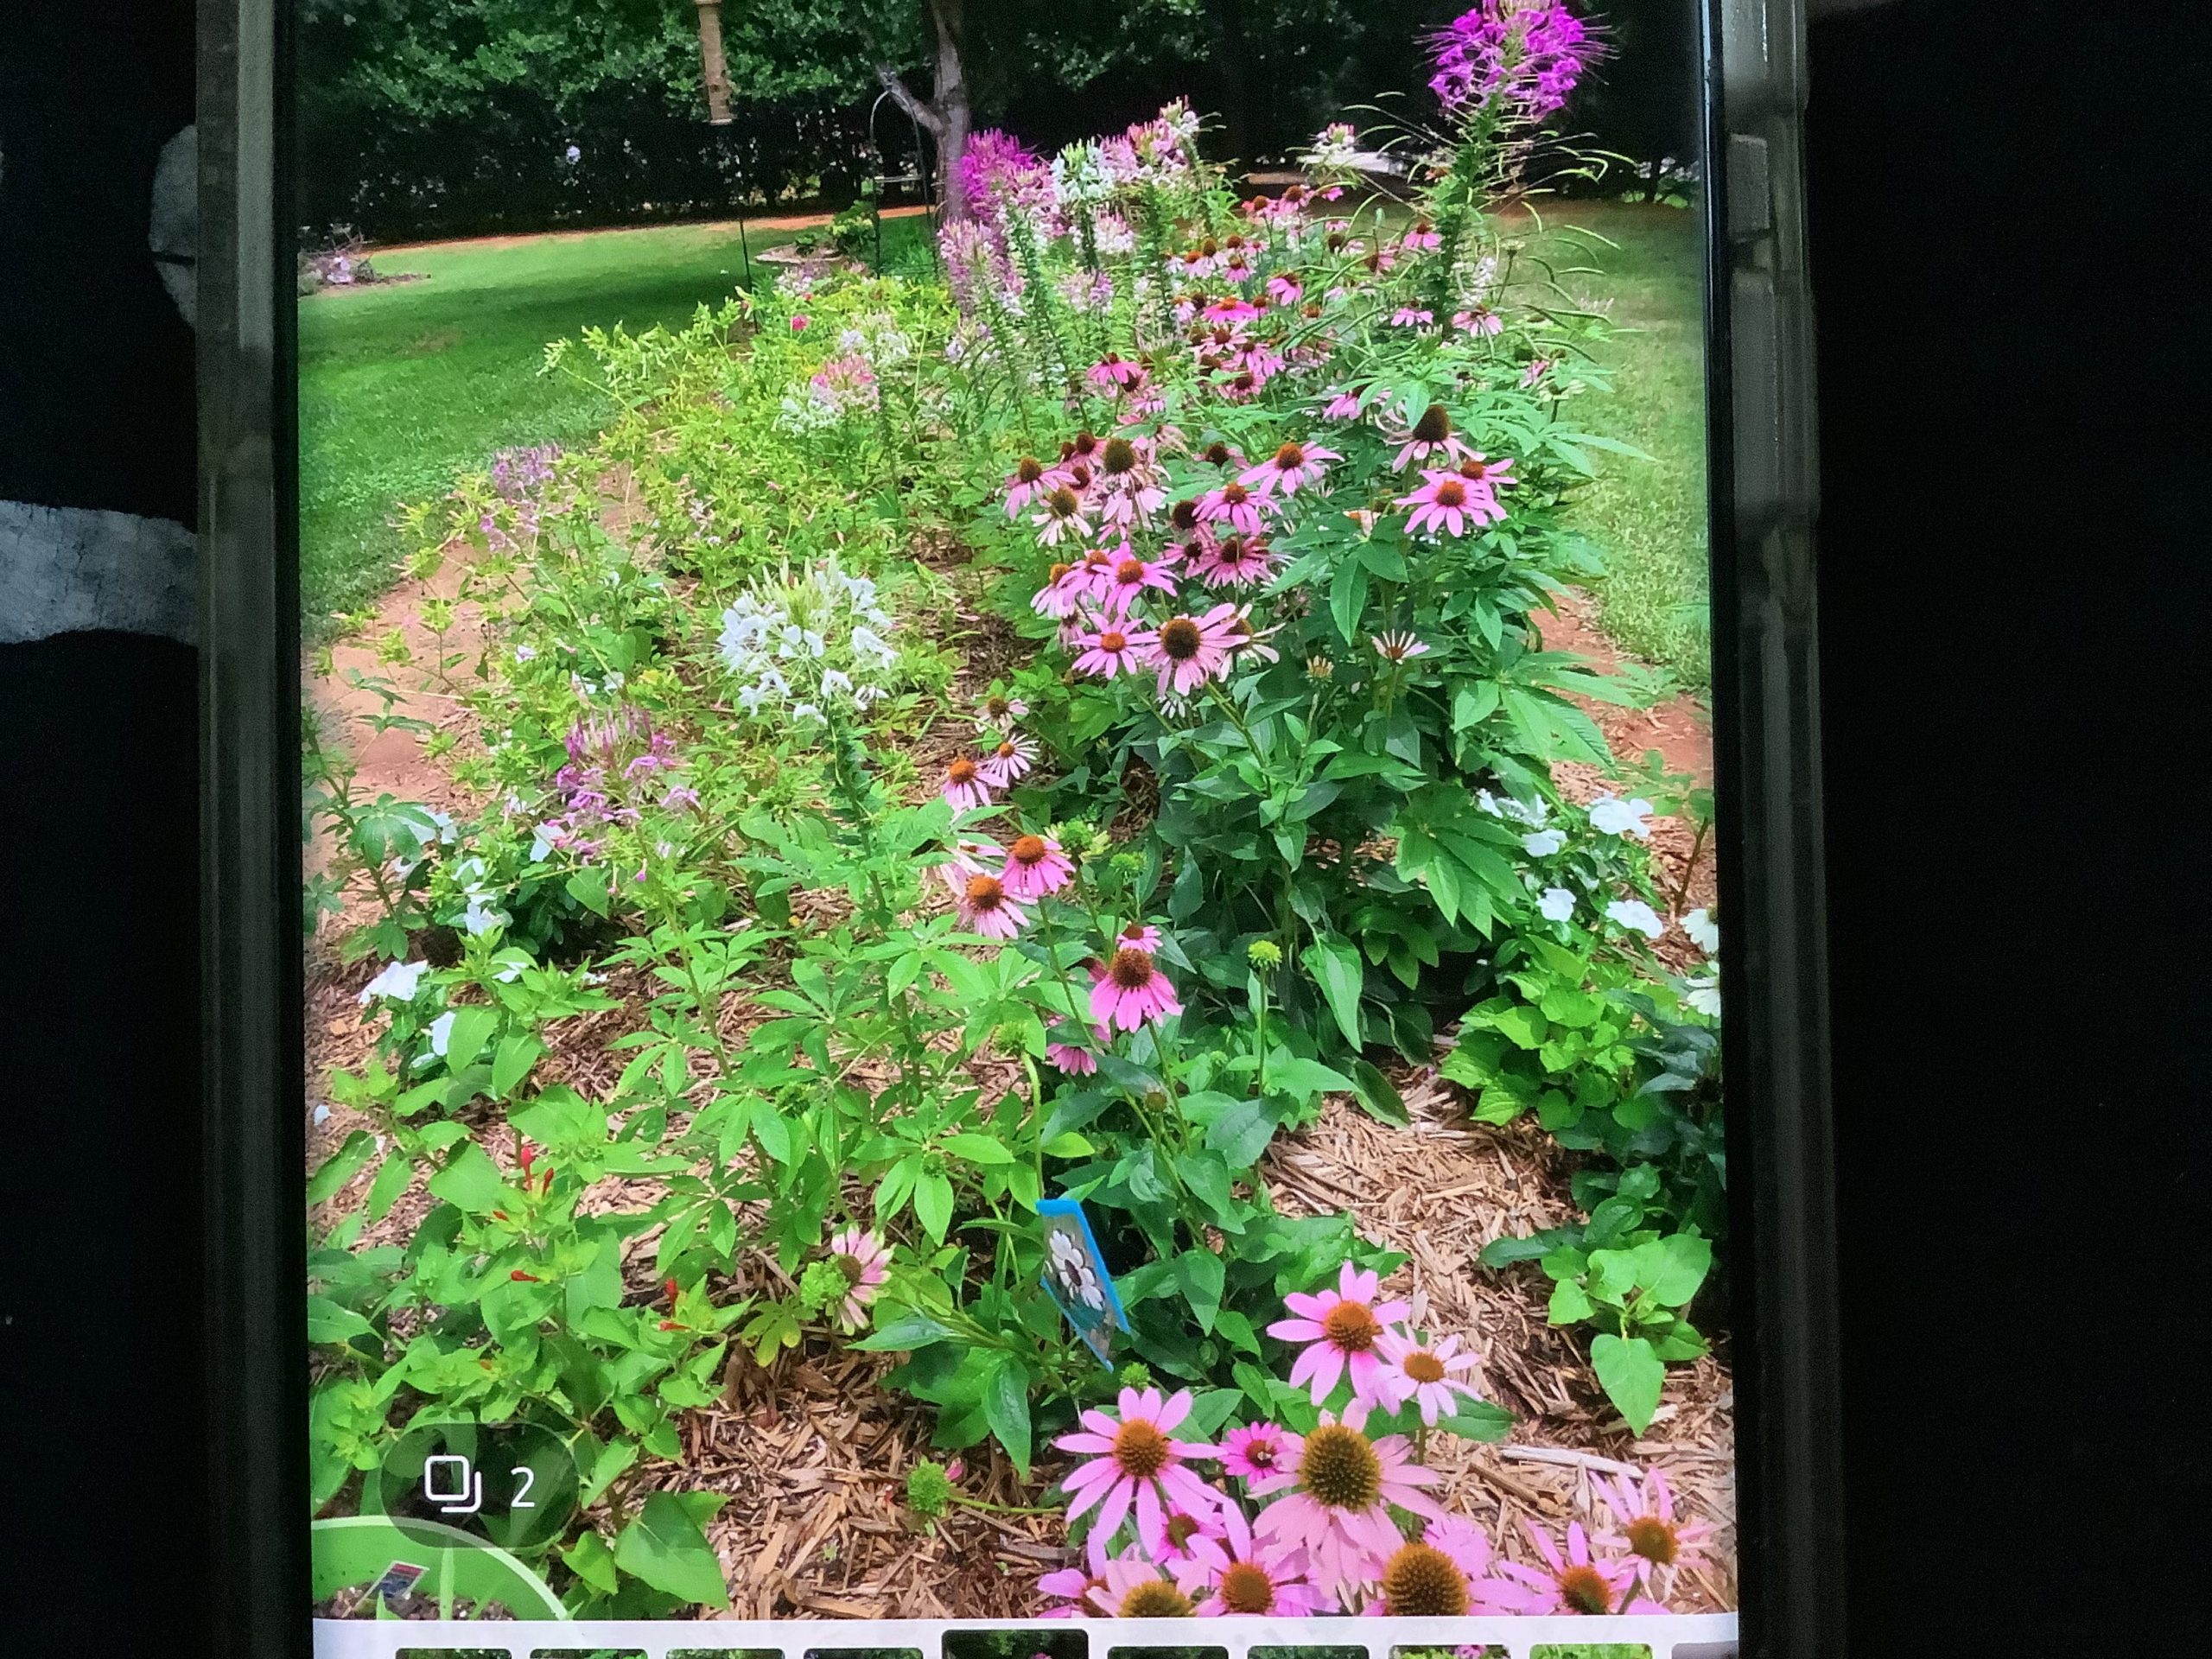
point(946, 115)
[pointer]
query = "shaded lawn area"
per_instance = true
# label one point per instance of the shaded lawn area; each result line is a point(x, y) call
point(1648, 517)
point(403, 388)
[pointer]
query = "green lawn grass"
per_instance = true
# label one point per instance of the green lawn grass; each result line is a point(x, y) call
point(403, 388)
point(1648, 517)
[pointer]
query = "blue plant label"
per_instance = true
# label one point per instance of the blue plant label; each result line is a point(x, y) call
point(1076, 1279)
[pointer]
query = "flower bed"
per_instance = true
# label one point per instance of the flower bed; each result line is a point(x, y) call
point(1071, 729)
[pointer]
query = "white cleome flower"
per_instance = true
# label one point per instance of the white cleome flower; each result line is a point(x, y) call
point(1635, 914)
point(1557, 904)
point(1615, 816)
point(1704, 932)
point(398, 981)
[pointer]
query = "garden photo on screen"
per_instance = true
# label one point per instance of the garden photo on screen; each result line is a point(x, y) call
point(1008, 820)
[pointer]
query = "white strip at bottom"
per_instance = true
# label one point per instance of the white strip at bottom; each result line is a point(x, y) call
point(1673, 1636)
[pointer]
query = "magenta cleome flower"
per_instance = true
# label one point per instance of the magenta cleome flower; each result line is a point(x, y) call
point(1525, 55)
point(1133, 1462)
point(1342, 1329)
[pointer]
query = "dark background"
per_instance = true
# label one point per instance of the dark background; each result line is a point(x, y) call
point(2013, 601)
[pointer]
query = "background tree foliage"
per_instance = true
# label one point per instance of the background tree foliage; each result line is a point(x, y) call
point(443, 116)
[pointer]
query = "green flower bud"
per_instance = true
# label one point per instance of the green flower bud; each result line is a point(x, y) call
point(1134, 1375)
point(1264, 954)
point(823, 1285)
point(929, 1489)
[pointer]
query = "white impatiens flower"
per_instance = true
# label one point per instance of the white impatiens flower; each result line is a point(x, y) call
point(1612, 815)
point(1557, 904)
point(1703, 993)
point(1634, 913)
point(440, 1031)
point(1704, 932)
point(481, 917)
point(398, 981)
point(1543, 842)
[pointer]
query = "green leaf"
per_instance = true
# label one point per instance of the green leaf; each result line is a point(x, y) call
point(1377, 1095)
point(327, 1321)
point(587, 887)
point(1336, 967)
point(1686, 1261)
point(666, 1547)
point(1203, 1276)
point(590, 1560)
point(1478, 1419)
point(977, 1148)
point(518, 1052)
point(391, 1180)
point(1305, 1077)
point(1348, 598)
point(470, 1181)
point(905, 1334)
point(341, 1167)
point(471, 1028)
point(933, 1203)
point(1005, 1409)
point(1631, 1375)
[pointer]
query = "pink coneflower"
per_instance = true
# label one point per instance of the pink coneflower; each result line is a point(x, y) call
point(1183, 1534)
point(1129, 481)
point(800, 321)
point(1413, 316)
point(1537, 368)
point(863, 1259)
point(1343, 405)
point(1009, 760)
point(1430, 436)
point(1062, 516)
point(1234, 562)
point(1245, 640)
point(1035, 866)
point(1337, 1514)
point(1341, 1329)
point(1256, 1453)
point(998, 710)
point(1187, 650)
point(1106, 654)
point(1076, 1587)
point(965, 786)
point(1422, 238)
point(1068, 1058)
point(1138, 936)
point(1135, 1589)
point(1398, 646)
point(1577, 1582)
point(1128, 579)
point(1233, 503)
point(1023, 484)
point(1249, 1578)
point(1130, 989)
point(1230, 310)
point(1065, 588)
point(986, 907)
point(1479, 320)
point(1132, 1460)
point(1289, 469)
point(1444, 501)
point(1426, 1372)
point(1285, 290)
point(1649, 1532)
point(1114, 370)
point(1481, 473)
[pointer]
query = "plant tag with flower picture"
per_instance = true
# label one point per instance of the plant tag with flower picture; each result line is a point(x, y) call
point(1076, 1276)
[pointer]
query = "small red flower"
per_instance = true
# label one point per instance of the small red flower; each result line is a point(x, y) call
point(520, 1277)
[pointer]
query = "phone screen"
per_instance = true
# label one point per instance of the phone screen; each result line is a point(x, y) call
point(1009, 831)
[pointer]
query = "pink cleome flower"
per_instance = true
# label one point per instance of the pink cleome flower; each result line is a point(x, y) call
point(1188, 650)
point(1342, 1329)
point(1133, 1461)
point(863, 1258)
point(1130, 989)
point(1336, 1511)
point(1036, 865)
